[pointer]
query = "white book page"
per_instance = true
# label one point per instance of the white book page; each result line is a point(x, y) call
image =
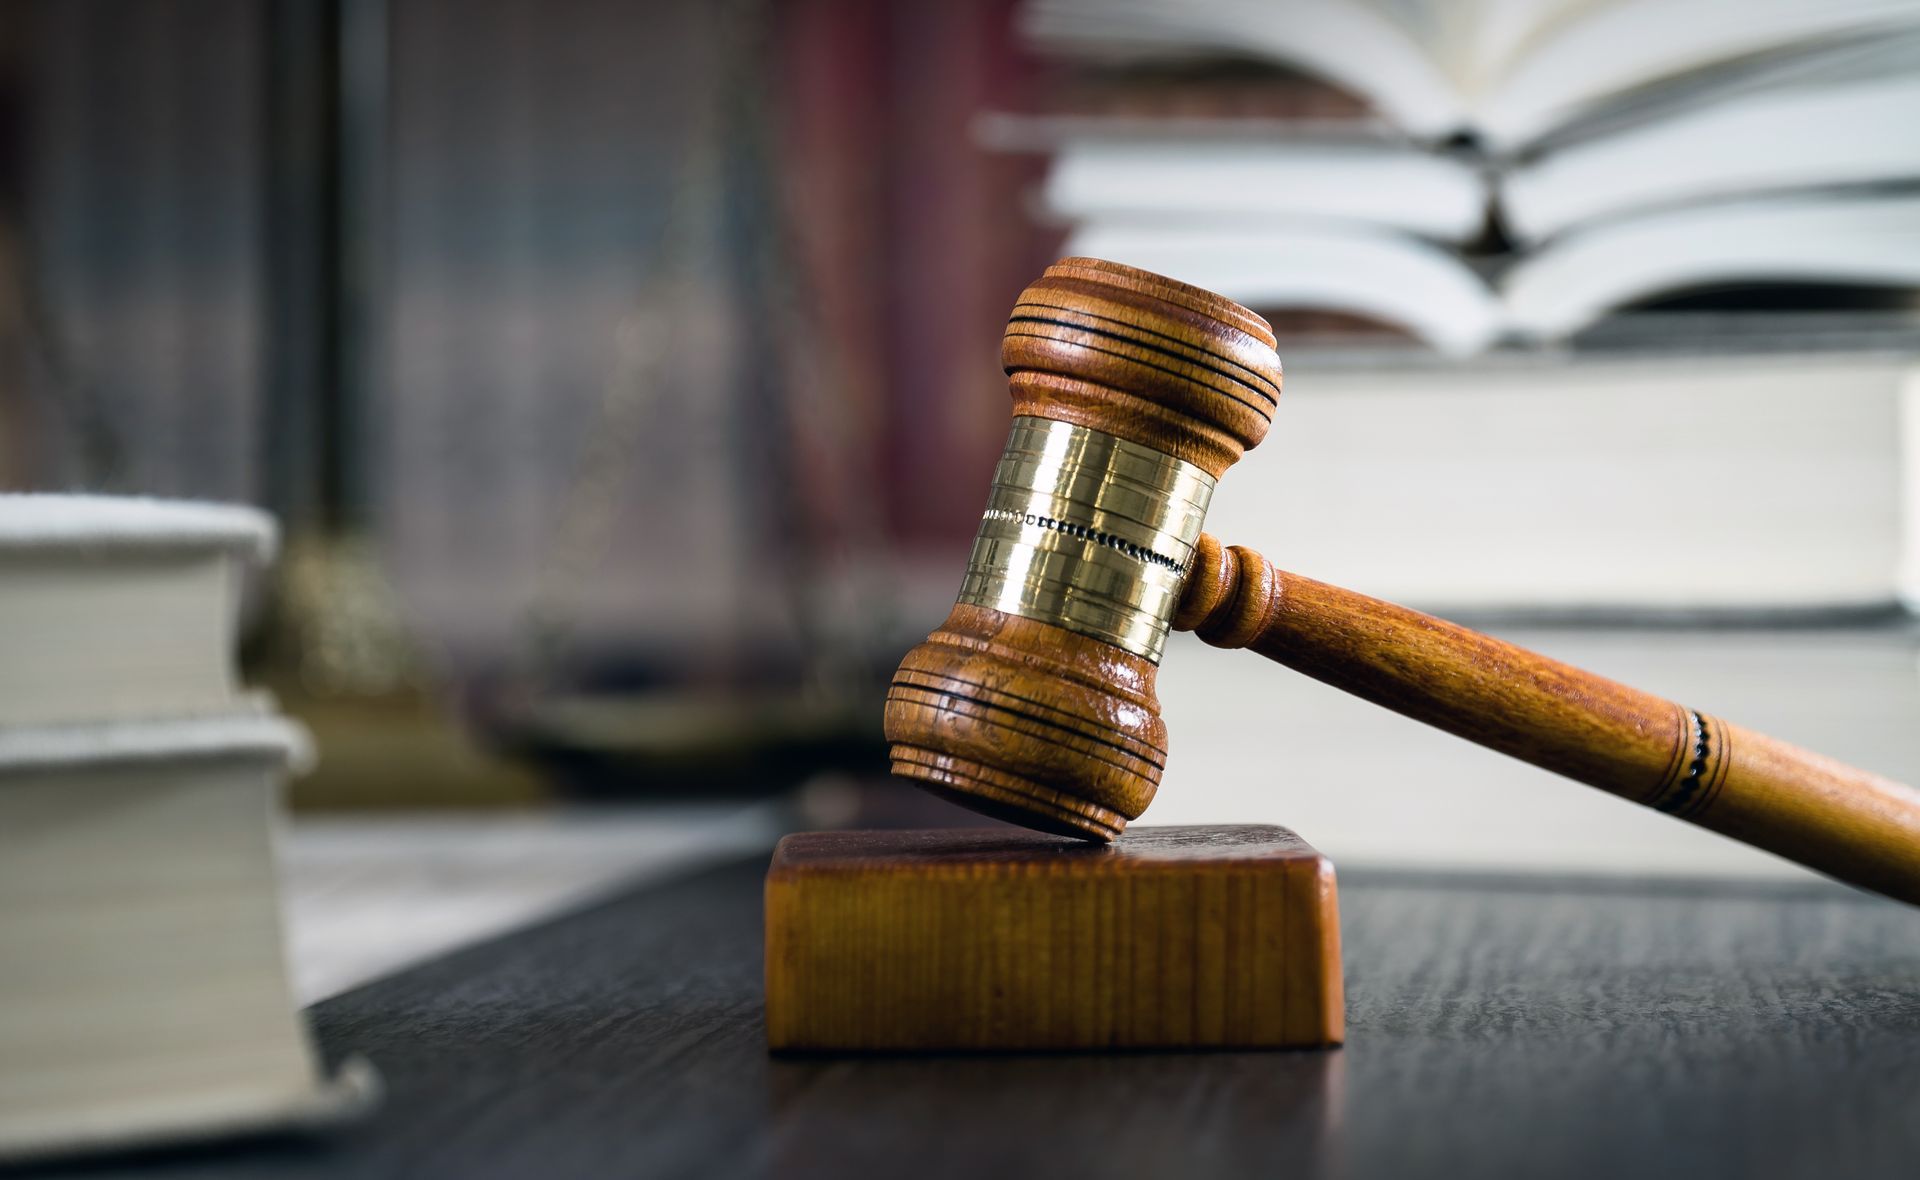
point(1547, 483)
point(1846, 134)
point(1641, 483)
point(1610, 49)
point(1505, 31)
point(1843, 116)
point(1348, 42)
point(1251, 182)
point(1371, 788)
point(1446, 31)
point(1908, 575)
point(1816, 238)
point(1391, 277)
point(140, 895)
point(125, 633)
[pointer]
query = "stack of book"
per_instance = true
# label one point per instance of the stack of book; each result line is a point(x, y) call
point(144, 993)
point(1737, 532)
point(1506, 428)
point(1528, 169)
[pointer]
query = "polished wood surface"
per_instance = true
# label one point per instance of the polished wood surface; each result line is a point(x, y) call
point(997, 939)
point(1496, 1027)
point(1028, 722)
point(1849, 824)
point(1145, 358)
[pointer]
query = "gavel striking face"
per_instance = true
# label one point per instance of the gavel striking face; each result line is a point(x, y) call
point(1034, 701)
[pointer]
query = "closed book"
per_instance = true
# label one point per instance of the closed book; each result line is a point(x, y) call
point(144, 995)
point(144, 989)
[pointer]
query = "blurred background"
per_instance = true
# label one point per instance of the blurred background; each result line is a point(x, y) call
point(625, 375)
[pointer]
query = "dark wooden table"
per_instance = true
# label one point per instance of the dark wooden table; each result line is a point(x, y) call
point(1512, 1027)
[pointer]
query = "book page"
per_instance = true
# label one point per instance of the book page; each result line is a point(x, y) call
point(1855, 130)
point(1445, 31)
point(1505, 31)
point(1350, 43)
point(1602, 50)
point(1399, 279)
point(1817, 237)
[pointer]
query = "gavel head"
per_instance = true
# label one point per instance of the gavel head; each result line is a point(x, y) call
point(1034, 701)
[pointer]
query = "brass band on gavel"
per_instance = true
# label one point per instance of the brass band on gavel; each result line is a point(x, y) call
point(1088, 532)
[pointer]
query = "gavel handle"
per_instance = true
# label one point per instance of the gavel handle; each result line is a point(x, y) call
point(1844, 822)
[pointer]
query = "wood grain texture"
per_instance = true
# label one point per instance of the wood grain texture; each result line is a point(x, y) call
point(1028, 722)
point(1502, 1027)
point(1846, 823)
point(1199, 937)
point(1143, 357)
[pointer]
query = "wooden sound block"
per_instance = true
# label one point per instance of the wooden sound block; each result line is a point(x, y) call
point(988, 938)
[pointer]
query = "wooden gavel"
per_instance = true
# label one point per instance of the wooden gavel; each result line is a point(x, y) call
point(1034, 701)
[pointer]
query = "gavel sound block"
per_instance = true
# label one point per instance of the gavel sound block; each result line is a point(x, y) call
point(1221, 937)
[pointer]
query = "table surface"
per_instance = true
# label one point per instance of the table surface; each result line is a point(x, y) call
point(1500, 1027)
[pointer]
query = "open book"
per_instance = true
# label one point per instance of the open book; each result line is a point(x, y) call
point(1445, 302)
point(1508, 72)
point(1843, 117)
point(1777, 149)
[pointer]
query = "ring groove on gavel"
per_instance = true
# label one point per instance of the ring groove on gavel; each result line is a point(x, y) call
point(1035, 701)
